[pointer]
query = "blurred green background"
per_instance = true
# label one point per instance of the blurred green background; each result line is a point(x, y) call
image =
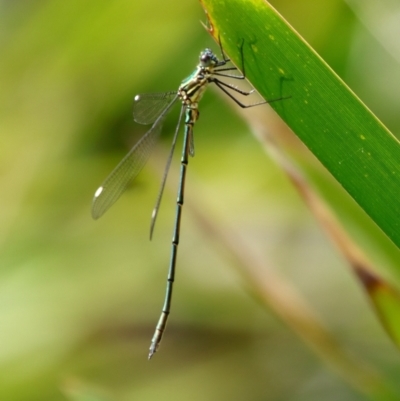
point(79, 298)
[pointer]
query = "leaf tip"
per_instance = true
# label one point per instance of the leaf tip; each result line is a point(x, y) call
point(209, 25)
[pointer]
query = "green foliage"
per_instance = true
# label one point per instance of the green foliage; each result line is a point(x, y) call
point(325, 114)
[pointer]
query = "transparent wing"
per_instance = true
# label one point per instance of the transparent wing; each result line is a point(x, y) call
point(129, 167)
point(147, 107)
point(164, 179)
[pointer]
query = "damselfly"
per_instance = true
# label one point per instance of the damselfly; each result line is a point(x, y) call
point(152, 109)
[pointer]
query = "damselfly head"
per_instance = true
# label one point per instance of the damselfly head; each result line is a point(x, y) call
point(208, 58)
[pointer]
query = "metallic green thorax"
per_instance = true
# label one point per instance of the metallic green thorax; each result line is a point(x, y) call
point(193, 87)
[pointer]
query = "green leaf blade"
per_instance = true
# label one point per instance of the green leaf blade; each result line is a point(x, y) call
point(324, 113)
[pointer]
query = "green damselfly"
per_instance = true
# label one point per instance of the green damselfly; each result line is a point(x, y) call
point(152, 109)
